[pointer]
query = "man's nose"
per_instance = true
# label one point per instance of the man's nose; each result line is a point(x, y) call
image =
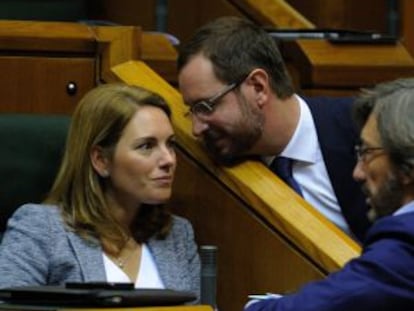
point(199, 126)
point(359, 173)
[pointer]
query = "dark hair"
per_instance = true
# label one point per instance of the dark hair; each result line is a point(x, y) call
point(392, 103)
point(236, 46)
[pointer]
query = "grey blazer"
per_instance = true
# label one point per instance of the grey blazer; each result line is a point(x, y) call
point(38, 249)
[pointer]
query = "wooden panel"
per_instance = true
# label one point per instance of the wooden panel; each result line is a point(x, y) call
point(46, 36)
point(325, 65)
point(160, 55)
point(277, 13)
point(115, 45)
point(344, 14)
point(252, 257)
point(39, 84)
point(185, 16)
point(124, 12)
point(39, 59)
point(408, 25)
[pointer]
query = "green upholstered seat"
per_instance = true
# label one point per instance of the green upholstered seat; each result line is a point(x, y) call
point(31, 147)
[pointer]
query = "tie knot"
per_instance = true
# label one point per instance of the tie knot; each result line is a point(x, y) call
point(282, 166)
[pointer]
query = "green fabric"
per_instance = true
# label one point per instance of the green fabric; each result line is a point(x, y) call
point(31, 147)
point(52, 10)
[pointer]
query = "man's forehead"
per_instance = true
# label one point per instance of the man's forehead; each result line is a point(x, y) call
point(370, 134)
point(198, 64)
point(197, 80)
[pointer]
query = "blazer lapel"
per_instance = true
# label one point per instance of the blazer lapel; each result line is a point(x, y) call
point(164, 258)
point(89, 256)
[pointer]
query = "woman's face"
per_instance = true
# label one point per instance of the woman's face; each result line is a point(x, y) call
point(144, 160)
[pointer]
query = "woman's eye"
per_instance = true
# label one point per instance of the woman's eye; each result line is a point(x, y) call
point(145, 146)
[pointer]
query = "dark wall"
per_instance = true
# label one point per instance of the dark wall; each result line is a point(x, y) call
point(56, 10)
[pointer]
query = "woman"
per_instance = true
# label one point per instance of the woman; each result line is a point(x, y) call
point(104, 218)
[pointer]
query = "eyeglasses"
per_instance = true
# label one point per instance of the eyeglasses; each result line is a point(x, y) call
point(206, 107)
point(363, 152)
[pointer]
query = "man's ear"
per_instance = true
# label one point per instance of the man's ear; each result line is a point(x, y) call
point(406, 173)
point(99, 161)
point(260, 81)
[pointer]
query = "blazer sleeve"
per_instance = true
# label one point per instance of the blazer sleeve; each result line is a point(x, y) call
point(185, 233)
point(26, 247)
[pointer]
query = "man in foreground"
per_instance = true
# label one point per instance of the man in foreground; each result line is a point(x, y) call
point(382, 278)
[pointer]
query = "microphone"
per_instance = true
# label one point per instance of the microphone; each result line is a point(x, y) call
point(208, 256)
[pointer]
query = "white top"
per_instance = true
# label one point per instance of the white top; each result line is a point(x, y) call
point(148, 275)
point(309, 169)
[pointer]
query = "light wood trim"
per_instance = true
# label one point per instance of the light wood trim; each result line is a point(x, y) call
point(160, 55)
point(273, 12)
point(255, 184)
point(117, 44)
point(46, 36)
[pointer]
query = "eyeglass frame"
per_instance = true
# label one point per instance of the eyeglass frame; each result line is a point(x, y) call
point(362, 152)
point(210, 104)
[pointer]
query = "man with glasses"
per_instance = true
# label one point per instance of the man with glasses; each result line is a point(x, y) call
point(242, 103)
point(382, 278)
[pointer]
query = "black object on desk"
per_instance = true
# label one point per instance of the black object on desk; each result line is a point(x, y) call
point(332, 35)
point(208, 256)
point(96, 295)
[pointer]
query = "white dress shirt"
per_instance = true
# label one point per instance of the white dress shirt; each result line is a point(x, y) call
point(309, 169)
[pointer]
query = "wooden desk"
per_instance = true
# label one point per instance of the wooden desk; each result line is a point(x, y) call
point(323, 68)
point(319, 67)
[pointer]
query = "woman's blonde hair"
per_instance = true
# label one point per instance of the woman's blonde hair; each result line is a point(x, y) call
point(99, 120)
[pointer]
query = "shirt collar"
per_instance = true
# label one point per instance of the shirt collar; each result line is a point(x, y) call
point(407, 208)
point(303, 146)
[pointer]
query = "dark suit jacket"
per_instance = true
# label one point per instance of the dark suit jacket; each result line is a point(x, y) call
point(382, 278)
point(337, 137)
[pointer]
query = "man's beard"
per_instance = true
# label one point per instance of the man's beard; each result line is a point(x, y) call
point(388, 199)
point(240, 141)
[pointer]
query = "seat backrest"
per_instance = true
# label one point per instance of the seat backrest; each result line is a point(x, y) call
point(31, 147)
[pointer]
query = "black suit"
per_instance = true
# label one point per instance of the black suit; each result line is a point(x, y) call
point(337, 137)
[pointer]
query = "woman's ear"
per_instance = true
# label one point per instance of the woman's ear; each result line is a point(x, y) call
point(99, 161)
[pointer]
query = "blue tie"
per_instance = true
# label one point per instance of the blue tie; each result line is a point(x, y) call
point(283, 168)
